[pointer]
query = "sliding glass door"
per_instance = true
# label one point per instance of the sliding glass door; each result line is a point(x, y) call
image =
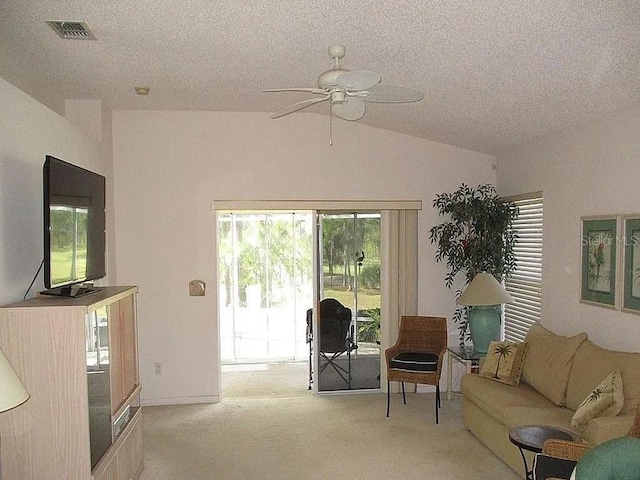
point(265, 285)
point(269, 266)
point(348, 285)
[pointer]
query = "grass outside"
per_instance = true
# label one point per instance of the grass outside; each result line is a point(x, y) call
point(61, 262)
point(366, 299)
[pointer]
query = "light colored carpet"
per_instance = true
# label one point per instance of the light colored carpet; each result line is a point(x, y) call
point(265, 380)
point(315, 437)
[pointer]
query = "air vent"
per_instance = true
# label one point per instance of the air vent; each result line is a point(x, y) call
point(72, 30)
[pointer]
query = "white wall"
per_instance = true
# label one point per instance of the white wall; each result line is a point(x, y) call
point(593, 170)
point(29, 131)
point(170, 166)
point(92, 119)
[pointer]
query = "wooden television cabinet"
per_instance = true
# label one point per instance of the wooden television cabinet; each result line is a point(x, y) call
point(78, 358)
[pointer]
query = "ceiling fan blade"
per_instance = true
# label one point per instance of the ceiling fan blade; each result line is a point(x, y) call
point(358, 80)
point(299, 106)
point(297, 89)
point(392, 94)
point(352, 109)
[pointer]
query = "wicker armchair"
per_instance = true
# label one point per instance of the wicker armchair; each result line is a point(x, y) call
point(563, 455)
point(565, 449)
point(417, 355)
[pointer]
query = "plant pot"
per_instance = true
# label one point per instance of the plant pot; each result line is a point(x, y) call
point(484, 326)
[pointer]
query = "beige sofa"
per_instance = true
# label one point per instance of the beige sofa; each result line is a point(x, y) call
point(557, 375)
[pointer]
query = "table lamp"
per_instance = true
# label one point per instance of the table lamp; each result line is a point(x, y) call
point(12, 391)
point(484, 295)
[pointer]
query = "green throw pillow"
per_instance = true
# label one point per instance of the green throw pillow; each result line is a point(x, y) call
point(617, 459)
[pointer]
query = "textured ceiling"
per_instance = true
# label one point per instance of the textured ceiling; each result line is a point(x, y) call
point(495, 73)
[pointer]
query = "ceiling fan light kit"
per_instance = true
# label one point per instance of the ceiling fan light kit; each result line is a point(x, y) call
point(347, 91)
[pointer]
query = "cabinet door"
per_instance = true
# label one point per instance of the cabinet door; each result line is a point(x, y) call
point(123, 352)
point(110, 473)
point(130, 455)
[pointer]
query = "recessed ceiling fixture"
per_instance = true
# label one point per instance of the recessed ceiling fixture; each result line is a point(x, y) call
point(72, 30)
point(142, 90)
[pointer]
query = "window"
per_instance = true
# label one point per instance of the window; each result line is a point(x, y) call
point(525, 283)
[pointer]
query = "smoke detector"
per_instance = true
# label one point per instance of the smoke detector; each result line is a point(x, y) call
point(72, 30)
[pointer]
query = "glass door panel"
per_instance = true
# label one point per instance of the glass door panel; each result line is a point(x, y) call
point(349, 250)
point(98, 384)
point(265, 285)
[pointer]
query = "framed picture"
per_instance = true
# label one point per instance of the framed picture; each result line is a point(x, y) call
point(599, 241)
point(631, 264)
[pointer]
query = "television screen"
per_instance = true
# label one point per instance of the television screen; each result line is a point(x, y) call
point(74, 224)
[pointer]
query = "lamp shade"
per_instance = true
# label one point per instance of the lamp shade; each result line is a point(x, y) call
point(12, 391)
point(484, 289)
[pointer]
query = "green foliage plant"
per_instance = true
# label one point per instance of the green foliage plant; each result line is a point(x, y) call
point(476, 237)
point(369, 330)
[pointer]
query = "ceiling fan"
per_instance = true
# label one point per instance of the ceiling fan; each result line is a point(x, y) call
point(348, 91)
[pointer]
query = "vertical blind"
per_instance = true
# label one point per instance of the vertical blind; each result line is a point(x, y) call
point(525, 283)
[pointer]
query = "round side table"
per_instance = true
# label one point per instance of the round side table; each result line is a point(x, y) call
point(532, 437)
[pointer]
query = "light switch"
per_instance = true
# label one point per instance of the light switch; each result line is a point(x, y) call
point(197, 288)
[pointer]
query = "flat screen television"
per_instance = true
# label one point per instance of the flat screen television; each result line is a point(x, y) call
point(74, 227)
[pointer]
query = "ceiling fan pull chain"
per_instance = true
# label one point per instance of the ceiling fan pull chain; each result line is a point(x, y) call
point(331, 123)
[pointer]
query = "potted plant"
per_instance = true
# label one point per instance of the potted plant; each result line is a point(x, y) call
point(477, 237)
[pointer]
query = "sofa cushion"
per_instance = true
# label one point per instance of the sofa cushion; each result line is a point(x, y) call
point(601, 429)
point(494, 398)
point(605, 400)
point(592, 364)
point(503, 362)
point(548, 363)
point(536, 415)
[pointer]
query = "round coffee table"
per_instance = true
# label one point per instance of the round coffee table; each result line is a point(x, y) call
point(532, 437)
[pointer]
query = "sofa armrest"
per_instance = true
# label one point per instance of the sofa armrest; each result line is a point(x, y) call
point(601, 429)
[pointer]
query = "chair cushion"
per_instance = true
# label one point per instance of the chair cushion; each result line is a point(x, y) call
point(545, 467)
point(415, 362)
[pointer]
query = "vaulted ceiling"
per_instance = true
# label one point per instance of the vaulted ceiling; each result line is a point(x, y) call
point(495, 73)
